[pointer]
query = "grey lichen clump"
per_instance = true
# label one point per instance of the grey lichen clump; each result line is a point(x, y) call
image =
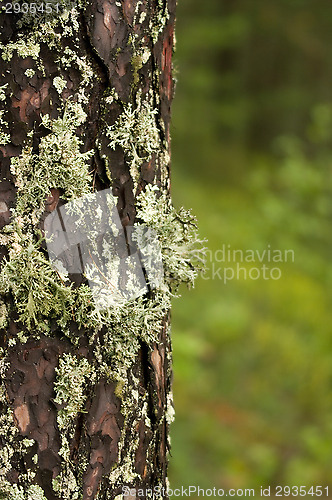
point(137, 133)
point(24, 48)
point(73, 376)
point(183, 250)
point(69, 387)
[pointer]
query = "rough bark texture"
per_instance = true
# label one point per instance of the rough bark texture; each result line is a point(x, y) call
point(120, 50)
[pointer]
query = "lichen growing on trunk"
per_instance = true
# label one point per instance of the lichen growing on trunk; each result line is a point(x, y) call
point(85, 396)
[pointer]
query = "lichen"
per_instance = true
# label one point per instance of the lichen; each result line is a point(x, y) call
point(69, 387)
point(136, 132)
point(63, 13)
point(2, 92)
point(170, 411)
point(24, 48)
point(65, 484)
point(51, 28)
point(159, 20)
point(140, 57)
point(13, 444)
point(126, 327)
point(59, 164)
point(35, 492)
point(4, 136)
point(39, 292)
point(73, 377)
point(16, 492)
point(59, 84)
point(8, 432)
point(182, 249)
point(69, 57)
point(135, 410)
point(3, 315)
point(29, 72)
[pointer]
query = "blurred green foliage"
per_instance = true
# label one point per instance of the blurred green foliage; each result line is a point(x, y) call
point(252, 154)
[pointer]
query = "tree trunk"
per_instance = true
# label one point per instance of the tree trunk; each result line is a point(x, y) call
point(85, 401)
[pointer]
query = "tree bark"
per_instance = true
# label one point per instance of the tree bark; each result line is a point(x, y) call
point(110, 58)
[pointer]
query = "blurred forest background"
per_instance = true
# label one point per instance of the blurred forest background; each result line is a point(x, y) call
point(252, 155)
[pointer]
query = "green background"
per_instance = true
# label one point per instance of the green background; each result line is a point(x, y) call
point(252, 155)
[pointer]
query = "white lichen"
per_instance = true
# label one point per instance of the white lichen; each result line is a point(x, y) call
point(72, 375)
point(2, 92)
point(66, 485)
point(183, 251)
point(159, 20)
point(70, 58)
point(170, 411)
point(59, 84)
point(37, 290)
point(60, 164)
point(35, 492)
point(3, 315)
point(11, 444)
point(29, 72)
point(24, 48)
point(136, 132)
